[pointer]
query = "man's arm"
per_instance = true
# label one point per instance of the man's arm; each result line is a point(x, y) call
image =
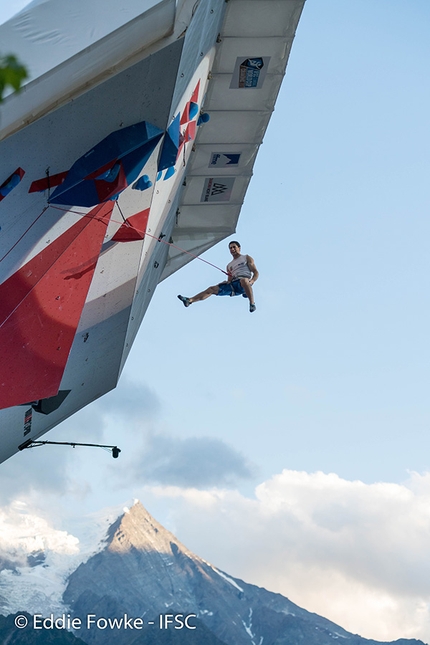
point(253, 268)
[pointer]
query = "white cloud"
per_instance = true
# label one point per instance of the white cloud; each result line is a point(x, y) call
point(22, 531)
point(357, 554)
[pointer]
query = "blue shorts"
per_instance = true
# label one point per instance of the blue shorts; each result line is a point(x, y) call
point(233, 288)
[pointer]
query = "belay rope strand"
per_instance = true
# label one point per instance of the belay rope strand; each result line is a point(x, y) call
point(25, 232)
point(160, 239)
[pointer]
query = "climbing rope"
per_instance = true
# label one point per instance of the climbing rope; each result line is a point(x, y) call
point(25, 233)
point(160, 239)
point(144, 232)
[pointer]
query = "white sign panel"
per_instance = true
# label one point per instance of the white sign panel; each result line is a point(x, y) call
point(217, 189)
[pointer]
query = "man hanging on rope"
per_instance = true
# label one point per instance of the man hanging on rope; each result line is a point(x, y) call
point(242, 273)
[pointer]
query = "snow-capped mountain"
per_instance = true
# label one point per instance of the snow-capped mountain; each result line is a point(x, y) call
point(139, 570)
point(145, 571)
point(37, 559)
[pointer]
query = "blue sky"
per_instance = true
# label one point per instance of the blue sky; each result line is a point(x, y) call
point(328, 381)
point(332, 371)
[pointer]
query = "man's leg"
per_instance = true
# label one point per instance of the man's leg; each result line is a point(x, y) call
point(210, 291)
point(248, 290)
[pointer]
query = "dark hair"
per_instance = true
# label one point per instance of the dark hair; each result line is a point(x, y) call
point(234, 242)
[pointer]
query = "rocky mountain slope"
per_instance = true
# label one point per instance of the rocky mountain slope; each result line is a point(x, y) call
point(145, 572)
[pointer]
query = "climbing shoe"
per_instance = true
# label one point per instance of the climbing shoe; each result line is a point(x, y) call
point(185, 300)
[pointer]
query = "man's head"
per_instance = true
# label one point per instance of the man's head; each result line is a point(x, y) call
point(234, 248)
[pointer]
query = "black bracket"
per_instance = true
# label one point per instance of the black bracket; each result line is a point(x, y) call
point(30, 443)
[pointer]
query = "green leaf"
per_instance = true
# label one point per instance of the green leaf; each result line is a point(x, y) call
point(12, 74)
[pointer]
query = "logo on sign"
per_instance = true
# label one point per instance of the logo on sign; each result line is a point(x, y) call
point(217, 189)
point(249, 72)
point(224, 159)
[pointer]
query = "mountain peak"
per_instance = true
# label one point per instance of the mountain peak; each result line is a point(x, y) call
point(145, 571)
point(137, 529)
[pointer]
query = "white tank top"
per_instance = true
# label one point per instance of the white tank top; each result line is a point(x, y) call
point(238, 268)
